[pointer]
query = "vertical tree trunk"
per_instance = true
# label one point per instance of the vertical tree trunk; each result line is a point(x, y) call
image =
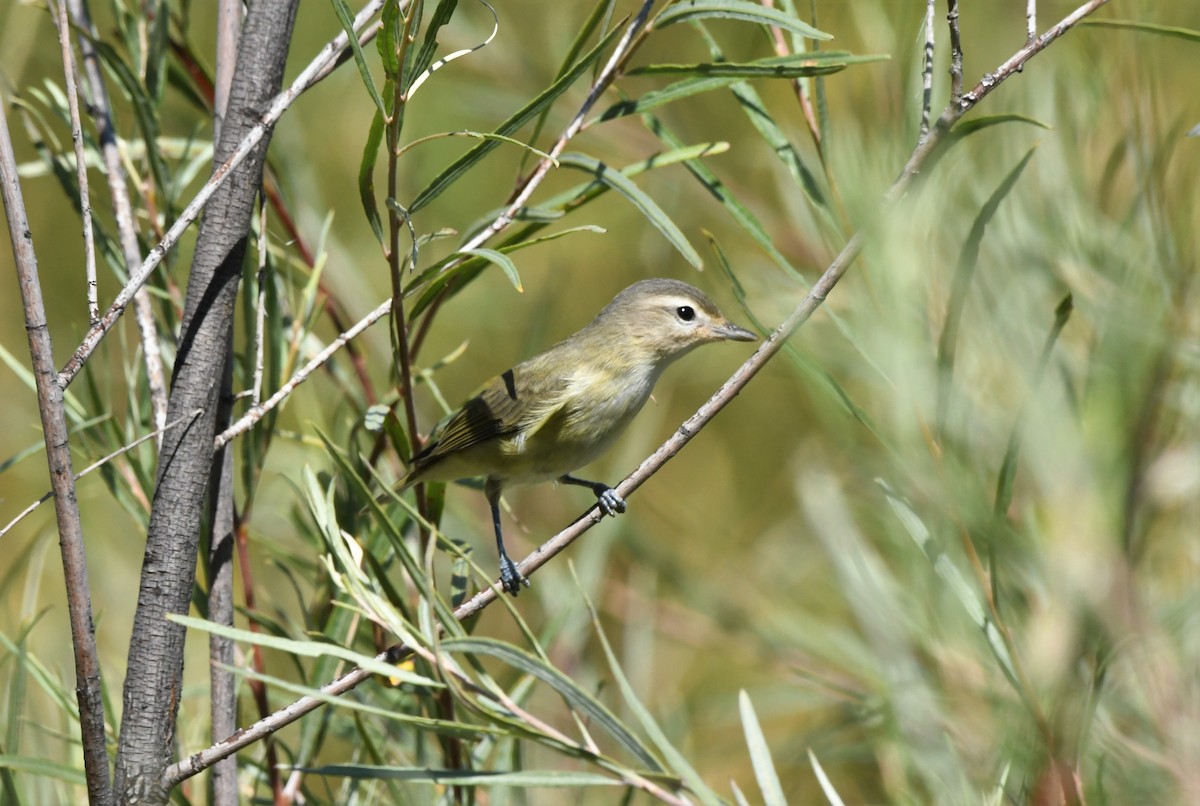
point(155, 671)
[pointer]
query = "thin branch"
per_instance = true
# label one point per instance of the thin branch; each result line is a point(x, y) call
point(285, 716)
point(260, 307)
point(328, 54)
point(114, 166)
point(50, 395)
point(256, 412)
point(1030, 20)
point(70, 79)
point(155, 434)
point(927, 70)
point(222, 514)
point(603, 80)
point(956, 54)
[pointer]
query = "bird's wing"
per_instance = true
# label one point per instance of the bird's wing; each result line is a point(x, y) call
point(515, 401)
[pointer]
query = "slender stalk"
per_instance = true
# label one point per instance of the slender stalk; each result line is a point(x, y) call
point(156, 435)
point(70, 79)
point(625, 47)
point(58, 455)
point(222, 705)
point(927, 69)
point(114, 165)
point(956, 53)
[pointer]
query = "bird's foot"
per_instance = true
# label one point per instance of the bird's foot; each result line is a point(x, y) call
point(510, 578)
point(610, 503)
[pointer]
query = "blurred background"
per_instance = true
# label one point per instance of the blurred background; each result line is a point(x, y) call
point(831, 542)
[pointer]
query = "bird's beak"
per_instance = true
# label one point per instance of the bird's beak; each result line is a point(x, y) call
point(728, 330)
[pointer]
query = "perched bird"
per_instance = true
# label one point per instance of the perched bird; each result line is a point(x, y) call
point(562, 408)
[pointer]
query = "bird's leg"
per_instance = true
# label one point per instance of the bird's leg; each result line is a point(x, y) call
point(510, 577)
point(610, 503)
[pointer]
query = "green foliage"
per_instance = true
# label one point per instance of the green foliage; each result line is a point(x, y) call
point(942, 554)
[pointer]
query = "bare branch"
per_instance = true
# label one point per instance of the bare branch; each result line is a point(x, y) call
point(155, 434)
point(114, 167)
point(723, 396)
point(927, 70)
point(956, 54)
point(260, 307)
point(256, 412)
point(85, 201)
point(603, 80)
point(1030, 20)
point(222, 686)
point(58, 455)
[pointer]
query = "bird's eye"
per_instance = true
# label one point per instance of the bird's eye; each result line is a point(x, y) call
point(686, 312)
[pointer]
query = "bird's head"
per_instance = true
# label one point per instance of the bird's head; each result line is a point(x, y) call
point(663, 319)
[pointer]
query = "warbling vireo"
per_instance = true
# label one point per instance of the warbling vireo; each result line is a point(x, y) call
point(562, 408)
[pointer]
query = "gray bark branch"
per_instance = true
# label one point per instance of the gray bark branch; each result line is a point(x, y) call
point(62, 480)
point(155, 668)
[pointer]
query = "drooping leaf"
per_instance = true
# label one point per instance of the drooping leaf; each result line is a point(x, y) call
point(503, 261)
point(563, 685)
point(647, 206)
point(342, 9)
point(450, 174)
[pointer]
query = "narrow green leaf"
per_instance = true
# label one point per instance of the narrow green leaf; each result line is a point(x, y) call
point(647, 206)
point(963, 273)
point(503, 261)
point(601, 11)
point(738, 211)
point(953, 578)
point(43, 768)
point(756, 110)
point(760, 754)
point(1188, 34)
point(434, 280)
point(385, 42)
point(797, 65)
point(523, 778)
point(965, 129)
point(968, 127)
point(49, 682)
point(366, 176)
point(308, 649)
point(442, 727)
point(678, 763)
point(1008, 467)
point(342, 10)
point(563, 685)
point(441, 16)
point(518, 119)
point(692, 10)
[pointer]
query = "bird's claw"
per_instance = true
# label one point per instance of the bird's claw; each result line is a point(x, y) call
point(510, 578)
point(611, 504)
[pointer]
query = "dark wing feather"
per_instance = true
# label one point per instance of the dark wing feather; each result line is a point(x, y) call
point(501, 409)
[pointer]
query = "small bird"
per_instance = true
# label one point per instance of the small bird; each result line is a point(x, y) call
point(562, 408)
